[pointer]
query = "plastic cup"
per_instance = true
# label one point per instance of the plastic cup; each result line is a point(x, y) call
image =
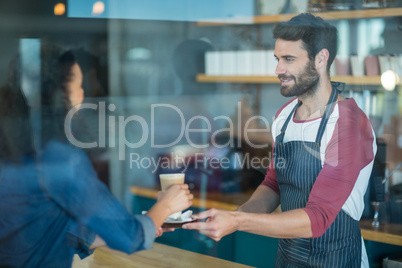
point(168, 180)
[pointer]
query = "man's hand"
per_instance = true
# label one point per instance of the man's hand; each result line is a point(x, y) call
point(219, 223)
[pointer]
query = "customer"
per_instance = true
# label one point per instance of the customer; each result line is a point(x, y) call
point(51, 202)
point(323, 152)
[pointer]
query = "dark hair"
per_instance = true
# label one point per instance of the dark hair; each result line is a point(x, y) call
point(93, 82)
point(315, 33)
point(54, 96)
point(16, 137)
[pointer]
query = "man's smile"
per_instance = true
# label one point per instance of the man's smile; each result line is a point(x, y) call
point(285, 79)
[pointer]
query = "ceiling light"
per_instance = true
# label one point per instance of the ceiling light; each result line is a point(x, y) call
point(389, 80)
point(98, 8)
point(59, 9)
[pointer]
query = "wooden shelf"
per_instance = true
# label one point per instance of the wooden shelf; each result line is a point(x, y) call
point(330, 15)
point(236, 79)
point(349, 80)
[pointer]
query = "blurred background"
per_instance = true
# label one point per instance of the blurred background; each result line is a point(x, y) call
point(155, 69)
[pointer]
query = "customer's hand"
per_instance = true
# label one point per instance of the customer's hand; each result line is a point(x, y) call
point(176, 198)
point(160, 231)
point(219, 223)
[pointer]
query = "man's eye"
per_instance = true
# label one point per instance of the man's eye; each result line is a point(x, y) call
point(289, 59)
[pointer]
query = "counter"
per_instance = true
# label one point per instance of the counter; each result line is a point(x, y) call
point(158, 256)
point(386, 233)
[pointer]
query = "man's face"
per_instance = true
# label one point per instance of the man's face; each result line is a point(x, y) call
point(295, 70)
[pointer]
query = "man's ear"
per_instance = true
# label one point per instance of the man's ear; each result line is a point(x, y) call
point(321, 59)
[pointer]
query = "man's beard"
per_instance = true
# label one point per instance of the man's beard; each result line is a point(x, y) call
point(305, 83)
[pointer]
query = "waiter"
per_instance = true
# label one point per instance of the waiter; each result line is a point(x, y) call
point(323, 155)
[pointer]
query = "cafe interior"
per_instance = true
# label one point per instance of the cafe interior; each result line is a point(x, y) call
point(187, 86)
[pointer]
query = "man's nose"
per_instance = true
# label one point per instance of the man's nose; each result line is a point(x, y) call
point(280, 68)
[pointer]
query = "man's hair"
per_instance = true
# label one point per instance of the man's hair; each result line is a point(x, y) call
point(315, 33)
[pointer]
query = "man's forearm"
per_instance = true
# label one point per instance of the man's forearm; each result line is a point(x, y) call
point(253, 217)
point(257, 206)
point(263, 200)
point(291, 224)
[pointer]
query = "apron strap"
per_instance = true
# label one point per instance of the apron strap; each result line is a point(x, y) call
point(285, 125)
point(330, 106)
point(324, 120)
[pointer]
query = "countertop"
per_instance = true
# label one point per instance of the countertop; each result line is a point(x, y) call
point(387, 233)
point(158, 256)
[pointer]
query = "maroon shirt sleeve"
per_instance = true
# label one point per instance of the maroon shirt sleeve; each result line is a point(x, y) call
point(348, 152)
point(270, 178)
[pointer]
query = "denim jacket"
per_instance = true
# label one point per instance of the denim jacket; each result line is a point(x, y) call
point(51, 208)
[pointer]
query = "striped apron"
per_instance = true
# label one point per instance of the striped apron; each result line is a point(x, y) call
point(297, 165)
